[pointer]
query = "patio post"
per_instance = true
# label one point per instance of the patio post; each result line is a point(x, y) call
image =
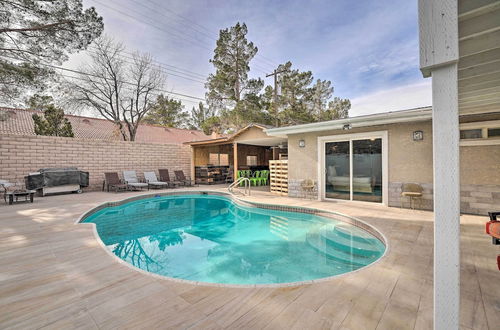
point(445, 127)
point(438, 33)
point(193, 155)
point(235, 158)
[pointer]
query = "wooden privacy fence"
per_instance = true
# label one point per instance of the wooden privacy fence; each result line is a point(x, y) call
point(278, 176)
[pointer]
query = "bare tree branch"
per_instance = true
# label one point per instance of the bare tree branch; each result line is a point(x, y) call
point(120, 92)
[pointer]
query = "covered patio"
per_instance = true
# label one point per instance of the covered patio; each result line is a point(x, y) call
point(216, 161)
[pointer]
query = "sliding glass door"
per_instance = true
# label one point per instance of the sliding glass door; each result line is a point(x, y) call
point(367, 170)
point(353, 169)
point(338, 169)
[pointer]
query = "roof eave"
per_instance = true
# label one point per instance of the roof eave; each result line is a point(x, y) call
point(361, 121)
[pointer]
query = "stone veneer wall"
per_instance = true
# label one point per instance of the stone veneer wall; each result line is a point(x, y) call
point(426, 203)
point(475, 199)
point(20, 155)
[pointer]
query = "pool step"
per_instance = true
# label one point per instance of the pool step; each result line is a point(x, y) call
point(361, 245)
point(351, 232)
point(334, 239)
point(318, 243)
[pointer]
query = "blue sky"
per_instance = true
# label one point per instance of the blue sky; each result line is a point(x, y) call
point(368, 49)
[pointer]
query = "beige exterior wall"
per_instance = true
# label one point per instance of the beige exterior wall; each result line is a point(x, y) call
point(480, 165)
point(20, 155)
point(408, 160)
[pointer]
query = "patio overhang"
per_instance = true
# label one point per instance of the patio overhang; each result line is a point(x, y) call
point(233, 151)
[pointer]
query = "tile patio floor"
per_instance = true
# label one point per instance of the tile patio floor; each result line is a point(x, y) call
point(54, 274)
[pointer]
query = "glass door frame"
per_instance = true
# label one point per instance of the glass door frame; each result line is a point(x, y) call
point(323, 140)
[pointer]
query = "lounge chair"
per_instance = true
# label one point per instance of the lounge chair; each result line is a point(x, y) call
point(132, 181)
point(111, 180)
point(182, 179)
point(165, 177)
point(153, 181)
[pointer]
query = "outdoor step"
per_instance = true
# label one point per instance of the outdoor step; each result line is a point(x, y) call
point(318, 243)
point(339, 241)
point(356, 234)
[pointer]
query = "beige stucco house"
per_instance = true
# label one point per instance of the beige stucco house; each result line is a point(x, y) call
point(368, 158)
point(365, 158)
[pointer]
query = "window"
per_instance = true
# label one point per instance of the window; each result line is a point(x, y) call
point(471, 134)
point(223, 159)
point(493, 132)
point(480, 133)
point(218, 159)
point(251, 160)
point(213, 159)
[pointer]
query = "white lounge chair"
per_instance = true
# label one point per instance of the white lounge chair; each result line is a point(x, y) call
point(152, 180)
point(130, 178)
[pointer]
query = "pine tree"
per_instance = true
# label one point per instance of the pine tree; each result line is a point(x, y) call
point(199, 115)
point(229, 89)
point(35, 31)
point(167, 112)
point(52, 122)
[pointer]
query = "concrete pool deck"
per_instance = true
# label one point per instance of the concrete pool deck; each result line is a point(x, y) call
point(55, 274)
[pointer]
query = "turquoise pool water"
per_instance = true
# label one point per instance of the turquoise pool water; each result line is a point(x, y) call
point(210, 238)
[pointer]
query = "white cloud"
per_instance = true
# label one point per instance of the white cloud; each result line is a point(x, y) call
point(400, 98)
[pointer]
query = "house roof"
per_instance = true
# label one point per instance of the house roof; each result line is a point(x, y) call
point(393, 117)
point(229, 138)
point(20, 122)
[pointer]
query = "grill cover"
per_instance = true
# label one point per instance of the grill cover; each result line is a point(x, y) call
point(52, 177)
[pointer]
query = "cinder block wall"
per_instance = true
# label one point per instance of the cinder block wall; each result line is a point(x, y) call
point(20, 155)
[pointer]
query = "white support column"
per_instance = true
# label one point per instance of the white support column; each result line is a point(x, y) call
point(446, 134)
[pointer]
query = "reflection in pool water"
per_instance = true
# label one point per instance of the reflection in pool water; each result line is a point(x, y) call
point(210, 238)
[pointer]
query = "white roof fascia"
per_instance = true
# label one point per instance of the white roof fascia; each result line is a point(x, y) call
point(360, 121)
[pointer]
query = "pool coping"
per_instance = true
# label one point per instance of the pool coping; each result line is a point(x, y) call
point(287, 208)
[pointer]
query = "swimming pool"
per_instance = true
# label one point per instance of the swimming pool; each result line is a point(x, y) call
point(214, 239)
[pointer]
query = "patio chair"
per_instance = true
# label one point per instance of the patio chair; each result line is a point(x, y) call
point(182, 179)
point(256, 179)
point(153, 181)
point(230, 176)
point(111, 180)
point(130, 178)
point(4, 184)
point(165, 177)
point(264, 177)
point(307, 186)
point(412, 191)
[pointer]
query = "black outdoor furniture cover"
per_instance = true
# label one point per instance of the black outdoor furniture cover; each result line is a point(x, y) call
point(52, 177)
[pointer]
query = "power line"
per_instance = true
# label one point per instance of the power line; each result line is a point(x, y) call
point(160, 28)
point(127, 59)
point(270, 62)
point(156, 94)
point(102, 77)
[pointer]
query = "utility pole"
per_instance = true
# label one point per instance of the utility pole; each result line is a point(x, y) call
point(275, 105)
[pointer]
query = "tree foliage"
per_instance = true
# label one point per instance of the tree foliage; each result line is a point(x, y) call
point(199, 115)
point(167, 112)
point(237, 100)
point(230, 91)
point(212, 125)
point(121, 92)
point(37, 32)
point(52, 122)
